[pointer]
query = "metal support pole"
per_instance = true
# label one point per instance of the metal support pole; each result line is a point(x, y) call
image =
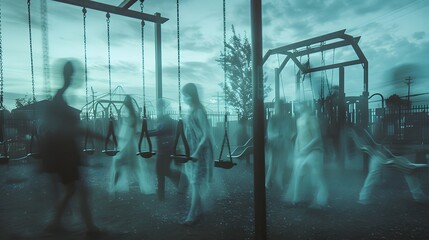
point(158, 58)
point(277, 84)
point(341, 99)
point(365, 79)
point(341, 118)
point(364, 110)
point(258, 122)
point(297, 85)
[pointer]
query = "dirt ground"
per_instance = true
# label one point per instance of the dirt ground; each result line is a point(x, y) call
point(27, 199)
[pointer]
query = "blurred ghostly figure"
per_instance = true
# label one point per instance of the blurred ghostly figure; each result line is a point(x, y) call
point(61, 153)
point(279, 146)
point(380, 157)
point(126, 165)
point(308, 162)
point(198, 135)
point(164, 133)
point(374, 178)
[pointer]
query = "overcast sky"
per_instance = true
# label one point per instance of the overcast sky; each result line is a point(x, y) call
point(394, 37)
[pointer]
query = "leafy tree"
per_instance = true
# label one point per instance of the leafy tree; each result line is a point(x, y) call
point(24, 101)
point(238, 68)
point(395, 102)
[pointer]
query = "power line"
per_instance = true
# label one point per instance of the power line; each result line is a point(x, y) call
point(411, 95)
point(373, 20)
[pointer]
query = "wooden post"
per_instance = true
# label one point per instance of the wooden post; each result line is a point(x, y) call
point(258, 122)
point(158, 58)
point(364, 110)
point(277, 84)
point(341, 119)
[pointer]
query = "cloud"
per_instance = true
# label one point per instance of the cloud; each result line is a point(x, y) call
point(419, 35)
point(169, 74)
point(193, 39)
point(14, 12)
point(372, 6)
point(241, 18)
point(386, 41)
point(394, 62)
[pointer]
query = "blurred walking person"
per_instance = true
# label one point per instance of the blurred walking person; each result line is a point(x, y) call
point(198, 134)
point(61, 153)
point(279, 146)
point(127, 166)
point(308, 162)
point(164, 133)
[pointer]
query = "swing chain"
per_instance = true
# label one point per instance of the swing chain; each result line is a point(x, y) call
point(224, 52)
point(224, 63)
point(178, 56)
point(143, 63)
point(309, 74)
point(323, 76)
point(332, 71)
point(1, 66)
point(109, 66)
point(141, 10)
point(45, 47)
point(86, 61)
point(31, 49)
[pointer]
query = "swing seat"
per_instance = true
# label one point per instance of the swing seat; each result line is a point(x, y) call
point(145, 154)
point(181, 158)
point(110, 153)
point(225, 164)
point(89, 151)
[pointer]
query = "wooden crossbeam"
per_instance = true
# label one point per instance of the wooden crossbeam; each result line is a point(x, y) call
point(115, 10)
point(347, 41)
point(321, 48)
point(311, 41)
point(331, 66)
point(310, 51)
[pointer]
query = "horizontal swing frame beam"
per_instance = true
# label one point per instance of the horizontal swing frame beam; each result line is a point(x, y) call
point(292, 54)
point(115, 10)
point(308, 42)
point(332, 66)
point(322, 48)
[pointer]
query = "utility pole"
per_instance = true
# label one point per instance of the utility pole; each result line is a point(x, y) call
point(408, 82)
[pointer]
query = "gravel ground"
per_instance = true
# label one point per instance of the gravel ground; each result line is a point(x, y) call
point(26, 202)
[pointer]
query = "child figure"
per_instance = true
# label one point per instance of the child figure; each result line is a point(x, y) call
point(126, 163)
point(198, 134)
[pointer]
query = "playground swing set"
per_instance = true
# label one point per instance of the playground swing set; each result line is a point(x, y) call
point(110, 142)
